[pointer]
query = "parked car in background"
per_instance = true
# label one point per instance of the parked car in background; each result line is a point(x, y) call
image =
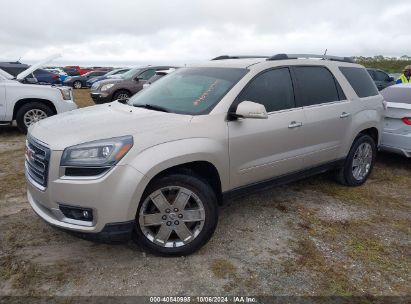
point(381, 78)
point(397, 123)
point(122, 88)
point(156, 167)
point(62, 75)
point(78, 69)
point(28, 104)
point(112, 74)
point(157, 76)
point(71, 72)
point(46, 77)
point(79, 82)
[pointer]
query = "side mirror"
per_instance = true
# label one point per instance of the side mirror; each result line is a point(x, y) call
point(249, 109)
point(138, 78)
point(389, 79)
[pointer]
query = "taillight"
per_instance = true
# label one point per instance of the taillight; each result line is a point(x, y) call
point(407, 120)
point(55, 77)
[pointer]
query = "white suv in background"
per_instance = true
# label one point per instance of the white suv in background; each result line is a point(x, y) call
point(157, 166)
point(29, 103)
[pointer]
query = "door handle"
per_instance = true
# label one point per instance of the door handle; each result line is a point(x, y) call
point(295, 124)
point(344, 115)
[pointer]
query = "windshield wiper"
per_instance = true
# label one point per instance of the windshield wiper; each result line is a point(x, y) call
point(151, 107)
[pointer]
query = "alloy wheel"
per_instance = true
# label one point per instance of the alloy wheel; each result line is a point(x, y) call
point(362, 161)
point(172, 216)
point(33, 116)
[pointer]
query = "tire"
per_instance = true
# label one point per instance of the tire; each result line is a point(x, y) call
point(177, 242)
point(36, 110)
point(77, 84)
point(351, 175)
point(121, 94)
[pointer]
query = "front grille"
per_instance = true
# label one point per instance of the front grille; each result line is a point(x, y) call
point(37, 161)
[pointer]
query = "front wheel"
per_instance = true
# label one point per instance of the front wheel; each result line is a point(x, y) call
point(359, 162)
point(177, 215)
point(31, 113)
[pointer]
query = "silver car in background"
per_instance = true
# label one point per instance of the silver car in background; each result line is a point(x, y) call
point(396, 136)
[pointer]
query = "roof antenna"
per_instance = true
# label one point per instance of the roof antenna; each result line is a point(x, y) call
point(325, 53)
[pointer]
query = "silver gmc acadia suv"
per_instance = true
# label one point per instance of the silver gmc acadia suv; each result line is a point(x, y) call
point(156, 167)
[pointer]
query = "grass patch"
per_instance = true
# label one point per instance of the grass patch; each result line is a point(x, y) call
point(82, 98)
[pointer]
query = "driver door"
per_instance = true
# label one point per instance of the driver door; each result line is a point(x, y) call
point(261, 149)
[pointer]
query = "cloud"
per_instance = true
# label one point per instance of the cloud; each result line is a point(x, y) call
point(183, 31)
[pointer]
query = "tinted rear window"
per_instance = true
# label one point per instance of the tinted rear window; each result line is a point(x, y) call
point(316, 84)
point(360, 81)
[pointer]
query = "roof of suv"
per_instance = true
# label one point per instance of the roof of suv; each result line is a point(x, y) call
point(247, 61)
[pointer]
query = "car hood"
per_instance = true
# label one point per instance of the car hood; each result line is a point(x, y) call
point(106, 121)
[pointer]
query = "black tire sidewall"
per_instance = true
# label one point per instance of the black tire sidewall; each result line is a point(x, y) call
point(27, 107)
point(205, 194)
point(348, 174)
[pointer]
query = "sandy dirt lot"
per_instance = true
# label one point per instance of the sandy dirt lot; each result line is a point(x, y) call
point(312, 237)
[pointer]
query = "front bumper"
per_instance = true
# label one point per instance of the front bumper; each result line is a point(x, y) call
point(65, 105)
point(113, 198)
point(100, 97)
point(396, 143)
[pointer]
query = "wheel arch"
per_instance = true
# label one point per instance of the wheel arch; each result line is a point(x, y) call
point(175, 157)
point(25, 101)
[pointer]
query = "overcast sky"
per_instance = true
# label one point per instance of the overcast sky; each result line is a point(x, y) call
point(182, 31)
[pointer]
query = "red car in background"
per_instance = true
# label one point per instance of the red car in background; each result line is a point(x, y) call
point(81, 71)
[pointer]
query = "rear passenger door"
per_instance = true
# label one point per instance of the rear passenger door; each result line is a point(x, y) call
point(261, 149)
point(327, 112)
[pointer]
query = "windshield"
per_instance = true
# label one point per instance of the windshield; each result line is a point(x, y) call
point(131, 74)
point(189, 90)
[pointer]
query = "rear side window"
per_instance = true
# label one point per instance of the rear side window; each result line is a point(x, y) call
point(273, 89)
point(316, 85)
point(360, 81)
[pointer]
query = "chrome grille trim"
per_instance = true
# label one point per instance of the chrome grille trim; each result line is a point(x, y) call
point(37, 162)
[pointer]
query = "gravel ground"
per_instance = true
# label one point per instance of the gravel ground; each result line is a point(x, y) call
point(312, 237)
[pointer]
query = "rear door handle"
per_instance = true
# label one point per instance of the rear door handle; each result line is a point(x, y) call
point(344, 115)
point(295, 124)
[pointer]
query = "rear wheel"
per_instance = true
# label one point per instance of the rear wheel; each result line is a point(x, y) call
point(177, 215)
point(77, 84)
point(359, 162)
point(31, 113)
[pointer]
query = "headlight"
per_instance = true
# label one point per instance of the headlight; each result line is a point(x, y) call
point(106, 87)
point(100, 153)
point(65, 93)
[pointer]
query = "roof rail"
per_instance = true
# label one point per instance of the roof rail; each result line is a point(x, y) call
point(307, 56)
point(222, 57)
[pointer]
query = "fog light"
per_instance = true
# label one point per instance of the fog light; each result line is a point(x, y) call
point(77, 213)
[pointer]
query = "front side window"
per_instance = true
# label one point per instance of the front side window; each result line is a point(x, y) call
point(146, 75)
point(131, 74)
point(191, 91)
point(273, 89)
point(316, 85)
